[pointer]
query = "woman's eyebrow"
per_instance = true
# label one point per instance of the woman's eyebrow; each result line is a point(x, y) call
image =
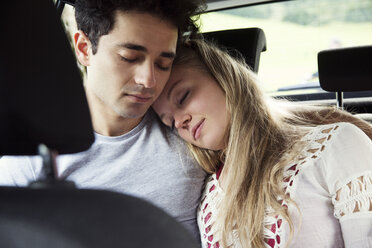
point(172, 88)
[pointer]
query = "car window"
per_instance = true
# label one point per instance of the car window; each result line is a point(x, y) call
point(295, 32)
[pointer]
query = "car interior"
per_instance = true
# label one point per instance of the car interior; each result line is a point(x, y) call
point(41, 117)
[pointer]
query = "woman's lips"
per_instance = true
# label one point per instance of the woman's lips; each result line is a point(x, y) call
point(196, 130)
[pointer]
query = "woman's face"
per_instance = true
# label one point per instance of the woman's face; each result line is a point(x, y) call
point(194, 104)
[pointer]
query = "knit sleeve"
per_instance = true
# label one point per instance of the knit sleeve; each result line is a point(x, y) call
point(349, 176)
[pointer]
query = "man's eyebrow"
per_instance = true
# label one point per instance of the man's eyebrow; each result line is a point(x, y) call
point(172, 88)
point(140, 48)
point(132, 46)
point(169, 55)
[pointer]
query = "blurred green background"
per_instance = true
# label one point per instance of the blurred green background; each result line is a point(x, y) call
point(295, 32)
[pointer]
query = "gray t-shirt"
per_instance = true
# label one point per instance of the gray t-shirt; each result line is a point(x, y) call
point(149, 162)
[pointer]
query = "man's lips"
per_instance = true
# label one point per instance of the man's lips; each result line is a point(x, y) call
point(196, 130)
point(139, 98)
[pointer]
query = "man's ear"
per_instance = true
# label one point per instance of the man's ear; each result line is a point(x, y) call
point(82, 48)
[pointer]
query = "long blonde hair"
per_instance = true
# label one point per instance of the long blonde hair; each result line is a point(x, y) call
point(261, 131)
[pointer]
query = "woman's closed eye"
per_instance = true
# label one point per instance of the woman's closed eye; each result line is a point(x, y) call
point(184, 96)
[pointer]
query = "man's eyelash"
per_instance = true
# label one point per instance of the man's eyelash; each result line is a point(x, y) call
point(164, 68)
point(127, 60)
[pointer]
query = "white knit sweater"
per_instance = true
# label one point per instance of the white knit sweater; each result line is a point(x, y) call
point(336, 160)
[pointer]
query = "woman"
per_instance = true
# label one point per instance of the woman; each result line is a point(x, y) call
point(282, 174)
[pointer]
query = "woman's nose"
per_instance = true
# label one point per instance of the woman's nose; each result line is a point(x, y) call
point(182, 121)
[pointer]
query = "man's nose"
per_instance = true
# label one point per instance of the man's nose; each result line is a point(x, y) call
point(145, 74)
point(182, 120)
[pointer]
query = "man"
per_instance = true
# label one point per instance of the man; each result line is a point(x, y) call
point(127, 48)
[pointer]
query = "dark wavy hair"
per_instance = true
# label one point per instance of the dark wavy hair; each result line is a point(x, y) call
point(96, 17)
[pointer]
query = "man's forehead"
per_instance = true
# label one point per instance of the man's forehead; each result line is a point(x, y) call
point(142, 19)
point(143, 30)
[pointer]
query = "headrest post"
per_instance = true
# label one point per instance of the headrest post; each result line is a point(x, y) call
point(60, 5)
point(49, 174)
point(49, 169)
point(339, 99)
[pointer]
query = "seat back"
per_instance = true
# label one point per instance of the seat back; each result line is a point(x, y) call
point(75, 218)
point(250, 42)
point(42, 98)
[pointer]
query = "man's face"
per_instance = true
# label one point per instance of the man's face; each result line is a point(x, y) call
point(132, 64)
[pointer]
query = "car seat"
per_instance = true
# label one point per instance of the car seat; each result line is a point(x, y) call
point(44, 111)
point(249, 42)
point(346, 70)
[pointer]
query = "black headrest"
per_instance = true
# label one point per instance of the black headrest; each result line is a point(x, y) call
point(42, 99)
point(250, 42)
point(346, 69)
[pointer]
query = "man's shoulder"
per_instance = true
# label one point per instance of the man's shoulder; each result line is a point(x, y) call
point(19, 170)
point(19, 160)
point(153, 122)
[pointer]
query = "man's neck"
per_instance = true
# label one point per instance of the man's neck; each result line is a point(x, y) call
point(114, 126)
